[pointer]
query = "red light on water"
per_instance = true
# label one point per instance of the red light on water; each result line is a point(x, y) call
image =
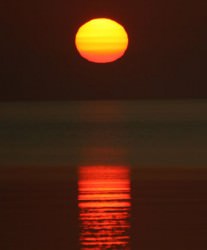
point(104, 202)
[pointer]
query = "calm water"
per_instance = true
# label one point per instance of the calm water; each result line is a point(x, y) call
point(103, 175)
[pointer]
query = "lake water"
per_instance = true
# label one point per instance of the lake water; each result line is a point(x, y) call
point(103, 175)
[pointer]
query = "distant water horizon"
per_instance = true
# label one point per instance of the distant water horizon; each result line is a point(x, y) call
point(143, 132)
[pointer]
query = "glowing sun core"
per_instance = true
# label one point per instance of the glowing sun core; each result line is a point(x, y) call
point(101, 40)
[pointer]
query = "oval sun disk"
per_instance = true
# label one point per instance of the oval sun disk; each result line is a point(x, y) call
point(101, 40)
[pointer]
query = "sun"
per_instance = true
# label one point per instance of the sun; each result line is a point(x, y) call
point(101, 40)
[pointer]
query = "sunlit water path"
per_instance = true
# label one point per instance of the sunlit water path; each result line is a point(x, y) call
point(104, 202)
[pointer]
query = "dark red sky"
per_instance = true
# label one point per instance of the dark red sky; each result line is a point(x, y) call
point(166, 56)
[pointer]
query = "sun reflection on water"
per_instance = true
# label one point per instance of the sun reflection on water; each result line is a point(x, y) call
point(104, 202)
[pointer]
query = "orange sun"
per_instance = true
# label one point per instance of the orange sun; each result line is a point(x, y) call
point(101, 40)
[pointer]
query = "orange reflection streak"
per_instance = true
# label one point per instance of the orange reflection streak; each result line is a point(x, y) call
point(104, 203)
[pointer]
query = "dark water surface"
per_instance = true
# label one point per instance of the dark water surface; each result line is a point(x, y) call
point(103, 175)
